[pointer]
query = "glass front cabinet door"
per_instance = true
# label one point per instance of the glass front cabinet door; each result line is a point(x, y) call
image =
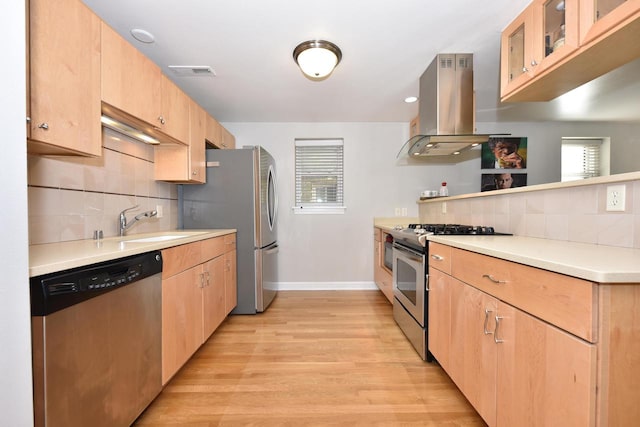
point(597, 17)
point(515, 53)
point(544, 33)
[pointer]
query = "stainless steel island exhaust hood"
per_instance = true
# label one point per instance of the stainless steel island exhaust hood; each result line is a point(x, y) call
point(446, 111)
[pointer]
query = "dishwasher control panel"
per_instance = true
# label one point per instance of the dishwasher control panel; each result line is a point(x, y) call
point(56, 291)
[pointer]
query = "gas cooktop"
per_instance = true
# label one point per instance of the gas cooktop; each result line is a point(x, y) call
point(417, 233)
point(452, 229)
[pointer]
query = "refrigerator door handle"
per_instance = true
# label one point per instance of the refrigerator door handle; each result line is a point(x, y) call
point(272, 196)
point(274, 250)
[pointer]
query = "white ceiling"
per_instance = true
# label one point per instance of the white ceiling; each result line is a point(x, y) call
point(386, 46)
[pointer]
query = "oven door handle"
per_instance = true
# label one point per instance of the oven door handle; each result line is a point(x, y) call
point(417, 256)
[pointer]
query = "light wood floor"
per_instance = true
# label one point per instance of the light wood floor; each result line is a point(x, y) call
point(313, 358)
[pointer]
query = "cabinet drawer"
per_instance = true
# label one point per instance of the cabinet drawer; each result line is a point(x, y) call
point(180, 258)
point(440, 257)
point(212, 248)
point(564, 301)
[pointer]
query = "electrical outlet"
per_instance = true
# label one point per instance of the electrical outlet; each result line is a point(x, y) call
point(159, 211)
point(404, 211)
point(398, 212)
point(444, 207)
point(616, 198)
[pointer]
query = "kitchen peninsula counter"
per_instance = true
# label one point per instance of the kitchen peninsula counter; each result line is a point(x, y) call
point(52, 257)
point(597, 263)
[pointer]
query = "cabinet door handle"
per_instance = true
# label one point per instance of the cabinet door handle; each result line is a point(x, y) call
point(486, 321)
point(495, 331)
point(161, 120)
point(534, 63)
point(208, 276)
point(44, 126)
point(201, 280)
point(493, 279)
point(436, 257)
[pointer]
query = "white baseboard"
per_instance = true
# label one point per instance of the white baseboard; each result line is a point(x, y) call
point(326, 286)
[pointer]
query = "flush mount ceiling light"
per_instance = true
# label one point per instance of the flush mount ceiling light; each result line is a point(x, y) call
point(317, 58)
point(410, 99)
point(143, 36)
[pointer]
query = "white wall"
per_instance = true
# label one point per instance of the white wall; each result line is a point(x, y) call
point(337, 250)
point(544, 140)
point(15, 321)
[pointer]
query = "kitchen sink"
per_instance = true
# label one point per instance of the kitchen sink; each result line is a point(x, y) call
point(157, 238)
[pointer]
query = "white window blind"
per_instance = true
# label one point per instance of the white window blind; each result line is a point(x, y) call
point(581, 159)
point(319, 176)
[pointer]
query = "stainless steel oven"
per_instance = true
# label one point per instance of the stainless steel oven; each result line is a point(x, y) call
point(410, 287)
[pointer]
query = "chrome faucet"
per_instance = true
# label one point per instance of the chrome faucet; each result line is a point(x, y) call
point(124, 224)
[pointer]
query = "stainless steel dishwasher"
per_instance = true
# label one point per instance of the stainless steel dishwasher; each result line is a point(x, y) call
point(96, 334)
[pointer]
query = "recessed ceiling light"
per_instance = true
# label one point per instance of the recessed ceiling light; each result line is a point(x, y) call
point(410, 99)
point(142, 36)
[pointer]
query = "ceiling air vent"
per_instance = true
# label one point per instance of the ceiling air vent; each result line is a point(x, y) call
point(192, 70)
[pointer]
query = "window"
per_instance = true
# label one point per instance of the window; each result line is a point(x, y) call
point(319, 176)
point(583, 158)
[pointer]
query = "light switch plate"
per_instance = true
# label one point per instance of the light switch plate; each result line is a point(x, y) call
point(616, 198)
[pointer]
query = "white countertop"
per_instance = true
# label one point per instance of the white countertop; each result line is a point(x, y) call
point(598, 263)
point(52, 257)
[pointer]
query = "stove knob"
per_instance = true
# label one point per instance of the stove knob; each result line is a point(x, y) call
point(490, 230)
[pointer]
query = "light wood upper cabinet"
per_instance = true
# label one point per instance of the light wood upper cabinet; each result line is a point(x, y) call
point(184, 163)
point(541, 59)
point(174, 119)
point(214, 132)
point(598, 17)
point(197, 144)
point(64, 79)
point(516, 51)
point(130, 80)
point(228, 140)
point(543, 34)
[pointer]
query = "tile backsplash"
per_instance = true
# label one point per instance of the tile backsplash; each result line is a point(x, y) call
point(575, 213)
point(70, 197)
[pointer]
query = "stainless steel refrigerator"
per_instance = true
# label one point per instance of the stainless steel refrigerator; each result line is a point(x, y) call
point(240, 193)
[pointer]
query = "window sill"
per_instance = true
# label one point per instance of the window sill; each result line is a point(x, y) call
point(318, 210)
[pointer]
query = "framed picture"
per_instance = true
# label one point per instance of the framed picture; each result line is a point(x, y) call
point(504, 153)
point(502, 180)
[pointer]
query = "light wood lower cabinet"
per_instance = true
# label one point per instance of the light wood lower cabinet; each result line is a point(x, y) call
point(513, 367)
point(381, 275)
point(194, 298)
